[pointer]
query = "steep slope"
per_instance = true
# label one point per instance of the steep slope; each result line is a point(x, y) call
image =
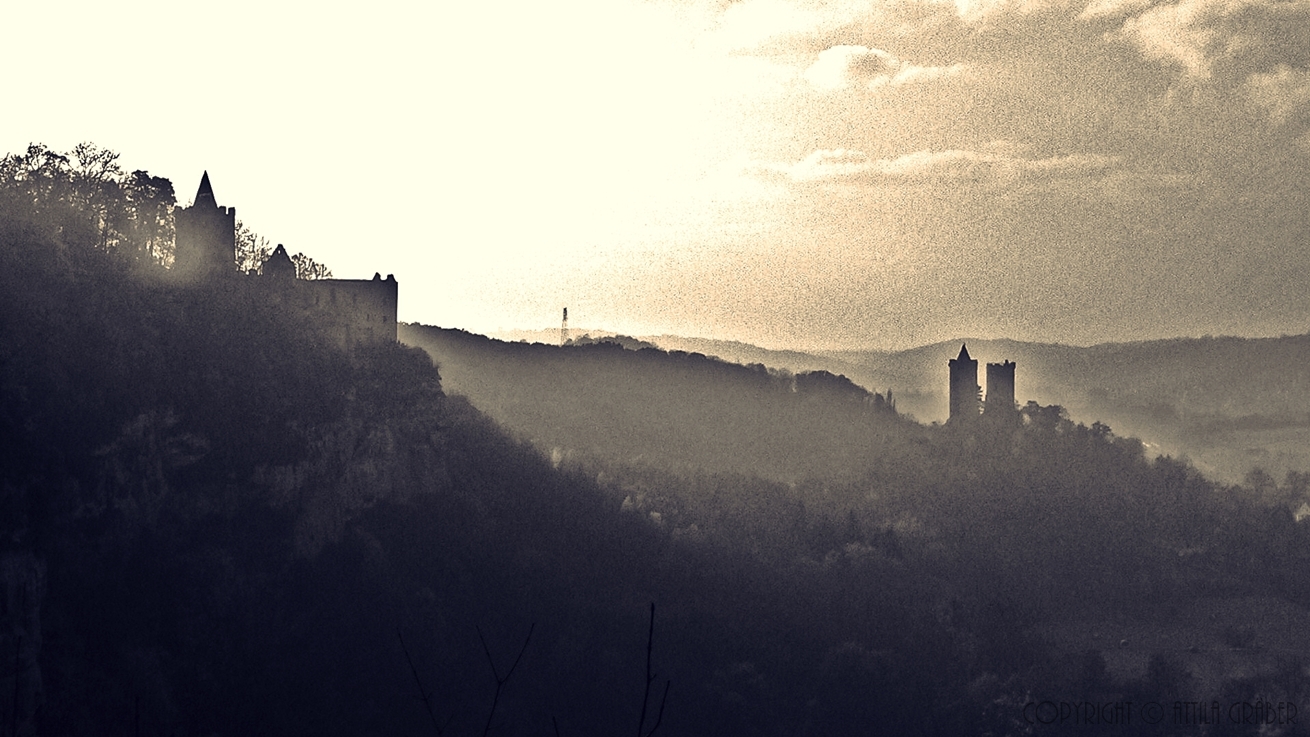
point(215, 524)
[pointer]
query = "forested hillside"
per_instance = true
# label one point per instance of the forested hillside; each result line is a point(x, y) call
point(668, 409)
point(214, 523)
point(1230, 404)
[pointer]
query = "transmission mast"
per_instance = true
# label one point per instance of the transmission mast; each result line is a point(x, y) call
point(564, 328)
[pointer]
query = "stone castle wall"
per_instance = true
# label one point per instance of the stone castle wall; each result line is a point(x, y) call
point(352, 311)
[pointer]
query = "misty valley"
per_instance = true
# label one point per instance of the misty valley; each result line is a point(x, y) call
point(236, 497)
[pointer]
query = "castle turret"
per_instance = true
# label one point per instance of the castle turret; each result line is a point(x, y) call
point(1000, 391)
point(964, 386)
point(205, 236)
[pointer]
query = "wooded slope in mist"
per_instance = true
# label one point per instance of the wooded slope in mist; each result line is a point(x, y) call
point(1229, 404)
point(675, 410)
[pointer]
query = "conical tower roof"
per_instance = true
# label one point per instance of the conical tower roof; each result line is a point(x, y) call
point(205, 194)
point(964, 353)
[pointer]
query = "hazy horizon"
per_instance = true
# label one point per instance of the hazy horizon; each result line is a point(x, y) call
point(805, 174)
point(550, 335)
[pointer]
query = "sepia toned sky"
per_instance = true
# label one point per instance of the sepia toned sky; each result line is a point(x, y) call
point(792, 173)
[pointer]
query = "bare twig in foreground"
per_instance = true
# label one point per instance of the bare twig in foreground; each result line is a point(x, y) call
point(650, 678)
point(500, 682)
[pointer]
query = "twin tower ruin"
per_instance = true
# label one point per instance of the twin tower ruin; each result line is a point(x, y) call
point(966, 395)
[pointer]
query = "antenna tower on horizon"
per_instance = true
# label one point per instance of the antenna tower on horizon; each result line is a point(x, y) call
point(564, 328)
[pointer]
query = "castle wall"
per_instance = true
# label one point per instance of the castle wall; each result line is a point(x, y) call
point(350, 311)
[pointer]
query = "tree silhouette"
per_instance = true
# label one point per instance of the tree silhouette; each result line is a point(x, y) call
point(308, 268)
point(83, 199)
point(252, 249)
point(148, 217)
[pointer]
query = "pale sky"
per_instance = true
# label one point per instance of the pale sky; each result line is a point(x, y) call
point(791, 173)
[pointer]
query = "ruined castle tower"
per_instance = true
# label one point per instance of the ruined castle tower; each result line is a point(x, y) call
point(206, 236)
point(964, 386)
point(1000, 390)
point(279, 265)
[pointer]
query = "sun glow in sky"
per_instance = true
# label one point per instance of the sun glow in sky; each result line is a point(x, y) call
point(792, 173)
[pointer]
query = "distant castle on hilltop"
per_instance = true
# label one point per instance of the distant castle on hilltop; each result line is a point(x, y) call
point(966, 396)
point(351, 311)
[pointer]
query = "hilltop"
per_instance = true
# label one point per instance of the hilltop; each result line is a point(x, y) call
point(1228, 404)
point(672, 409)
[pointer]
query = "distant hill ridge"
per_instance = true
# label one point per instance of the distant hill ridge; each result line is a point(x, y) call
point(686, 409)
point(1208, 374)
point(1229, 403)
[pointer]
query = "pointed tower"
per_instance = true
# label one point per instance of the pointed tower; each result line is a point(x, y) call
point(206, 236)
point(964, 386)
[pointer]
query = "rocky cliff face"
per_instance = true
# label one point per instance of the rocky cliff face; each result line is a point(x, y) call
point(22, 587)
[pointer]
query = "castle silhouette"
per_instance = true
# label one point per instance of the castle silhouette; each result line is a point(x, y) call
point(350, 312)
point(966, 395)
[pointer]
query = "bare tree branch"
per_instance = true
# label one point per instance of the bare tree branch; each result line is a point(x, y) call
point(500, 682)
point(659, 718)
point(650, 678)
point(421, 692)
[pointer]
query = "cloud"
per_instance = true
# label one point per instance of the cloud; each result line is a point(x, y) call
point(844, 67)
point(1284, 93)
point(1176, 33)
point(826, 164)
point(1207, 38)
point(1098, 9)
point(999, 162)
point(978, 12)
